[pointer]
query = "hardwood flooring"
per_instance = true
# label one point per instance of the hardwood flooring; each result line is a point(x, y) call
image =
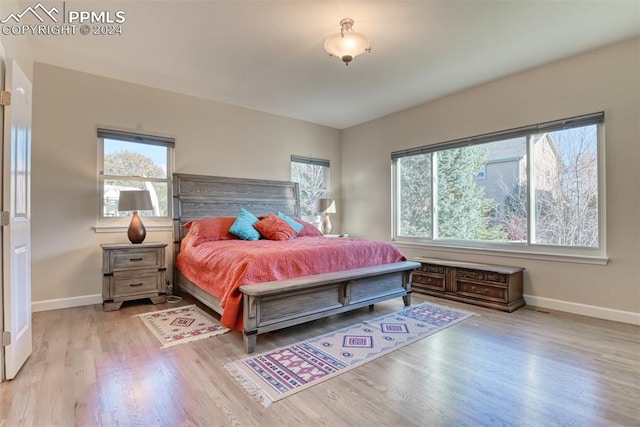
point(527, 368)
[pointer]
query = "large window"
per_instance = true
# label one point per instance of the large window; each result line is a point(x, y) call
point(537, 188)
point(131, 161)
point(312, 176)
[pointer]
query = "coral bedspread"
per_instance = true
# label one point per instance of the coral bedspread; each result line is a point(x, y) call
point(221, 267)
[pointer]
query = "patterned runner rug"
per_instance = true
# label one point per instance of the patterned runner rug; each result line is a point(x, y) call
point(277, 374)
point(181, 324)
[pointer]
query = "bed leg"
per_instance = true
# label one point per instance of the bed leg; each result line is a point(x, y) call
point(250, 338)
point(407, 300)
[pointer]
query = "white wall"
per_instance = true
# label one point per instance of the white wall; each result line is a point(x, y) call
point(604, 80)
point(211, 138)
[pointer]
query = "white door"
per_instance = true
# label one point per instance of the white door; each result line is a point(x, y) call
point(16, 229)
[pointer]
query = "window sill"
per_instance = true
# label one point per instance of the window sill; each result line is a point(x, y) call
point(121, 229)
point(510, 253)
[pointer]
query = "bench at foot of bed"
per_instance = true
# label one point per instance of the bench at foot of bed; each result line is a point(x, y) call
point(276, 305)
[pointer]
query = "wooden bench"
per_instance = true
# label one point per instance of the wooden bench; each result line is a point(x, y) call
point(492, 286)
point(275, 305)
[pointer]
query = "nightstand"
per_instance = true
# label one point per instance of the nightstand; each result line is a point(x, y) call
point(336, 235)
point(133, 271)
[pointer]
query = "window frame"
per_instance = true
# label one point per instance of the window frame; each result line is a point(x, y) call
point(106, 224)
point(527, 249)
point(314, 218)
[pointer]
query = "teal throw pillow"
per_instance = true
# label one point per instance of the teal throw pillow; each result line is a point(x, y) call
point(243, 226)
point(293, 223)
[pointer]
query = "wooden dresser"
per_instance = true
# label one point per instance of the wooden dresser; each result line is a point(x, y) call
point(133, 271)
point(492, 286)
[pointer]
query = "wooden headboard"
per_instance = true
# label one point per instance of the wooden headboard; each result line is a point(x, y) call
point(202, 196)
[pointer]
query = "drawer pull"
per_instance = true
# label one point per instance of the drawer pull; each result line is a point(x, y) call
point(135, 284)
point(135, 259)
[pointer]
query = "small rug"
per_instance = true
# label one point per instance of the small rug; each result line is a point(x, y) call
point(277, 374)
point(181, 324)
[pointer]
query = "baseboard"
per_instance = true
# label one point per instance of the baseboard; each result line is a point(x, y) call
point(55, 304)
point(548, 303)
point(583, 309)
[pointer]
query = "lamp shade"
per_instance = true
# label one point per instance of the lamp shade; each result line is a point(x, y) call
point(136, 200)
point(326, 206)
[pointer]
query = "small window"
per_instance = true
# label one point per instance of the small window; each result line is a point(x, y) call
point(312, 176)
point(482, 174)
point(131, 161)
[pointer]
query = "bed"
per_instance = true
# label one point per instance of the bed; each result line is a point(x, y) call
point(279, 300)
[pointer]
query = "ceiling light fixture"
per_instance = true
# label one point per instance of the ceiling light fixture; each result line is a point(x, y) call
point(348, 44)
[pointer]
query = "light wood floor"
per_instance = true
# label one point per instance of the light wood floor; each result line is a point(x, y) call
point(527, 368)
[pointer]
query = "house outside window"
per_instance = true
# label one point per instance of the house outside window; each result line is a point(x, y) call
point(541, 190)
point(130, 161)
point(312, 176)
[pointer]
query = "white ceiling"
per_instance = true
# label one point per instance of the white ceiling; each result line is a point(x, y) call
point(268, 55)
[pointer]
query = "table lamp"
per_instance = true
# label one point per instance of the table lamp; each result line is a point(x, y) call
point(137, 200)
point(326, 206)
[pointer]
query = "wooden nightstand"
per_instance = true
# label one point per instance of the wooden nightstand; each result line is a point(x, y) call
point(133, 271)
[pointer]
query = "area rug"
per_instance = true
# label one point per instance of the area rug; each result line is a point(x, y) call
point(181, 324)
point(277, 374)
